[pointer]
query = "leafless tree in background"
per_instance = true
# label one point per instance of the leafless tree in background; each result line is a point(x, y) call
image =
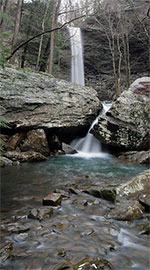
point(17, 26)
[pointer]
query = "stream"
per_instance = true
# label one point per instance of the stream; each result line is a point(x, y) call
point(78, 228)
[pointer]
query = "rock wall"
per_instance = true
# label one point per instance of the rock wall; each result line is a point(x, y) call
point(126, 124)
point(42, 112)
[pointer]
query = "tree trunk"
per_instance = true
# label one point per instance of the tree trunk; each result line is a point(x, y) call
point(41, 40)
point(17, 26)
point(5, 7)
point(50, 64)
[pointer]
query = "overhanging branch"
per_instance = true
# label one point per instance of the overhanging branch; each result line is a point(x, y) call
point(40, 34)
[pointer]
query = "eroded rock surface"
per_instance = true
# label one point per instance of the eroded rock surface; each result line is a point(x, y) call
point(126, 124)
point(37, 100)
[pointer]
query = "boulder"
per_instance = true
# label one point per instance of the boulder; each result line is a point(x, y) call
point(142, 157)
point(126, 124)
point(14, 140)
point(68, 149)
point(144, 199)
point(5, 161)
point(37, 100)
point(24, 156)
point(138, 185)
point(35, 141)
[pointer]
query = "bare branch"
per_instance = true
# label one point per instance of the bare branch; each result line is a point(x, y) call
point(40, 34)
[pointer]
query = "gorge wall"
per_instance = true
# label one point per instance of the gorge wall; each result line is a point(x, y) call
point(97, 55)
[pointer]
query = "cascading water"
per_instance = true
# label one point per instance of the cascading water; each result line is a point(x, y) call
point(77, 66)
point(89, 145)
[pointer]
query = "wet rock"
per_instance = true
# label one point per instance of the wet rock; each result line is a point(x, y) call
point(95, 263)
point(105, 194)
point(20, 237)
point(41, 213)
point(5, 251)
point(139, 184)
point(15, 228)
point(144, 199)
point(64, 193)
point(25, 156)
point(88, 263)
point(68, 149)
point(144, 229)
point(126, 124)
point(53, 199)
point(35, 140)
point(142, 157)
point(5, 161)
point(61, 253)
point(126, 210)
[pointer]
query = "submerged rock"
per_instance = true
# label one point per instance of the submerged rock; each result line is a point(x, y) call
point(88, 263)
point(5, 251)
point(126, 124)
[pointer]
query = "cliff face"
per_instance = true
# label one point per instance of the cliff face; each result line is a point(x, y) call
point(98, 62)
point(126, 124)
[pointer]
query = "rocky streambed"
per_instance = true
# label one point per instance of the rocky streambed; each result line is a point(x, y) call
point(75, 213)
point(70, 212)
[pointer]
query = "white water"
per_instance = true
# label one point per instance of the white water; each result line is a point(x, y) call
point(77, 66)
point(89, 146)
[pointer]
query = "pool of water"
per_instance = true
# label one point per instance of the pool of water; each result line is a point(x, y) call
point(76, 229)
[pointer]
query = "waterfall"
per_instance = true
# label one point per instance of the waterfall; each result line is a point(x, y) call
point(89, 145)
point(77, 66)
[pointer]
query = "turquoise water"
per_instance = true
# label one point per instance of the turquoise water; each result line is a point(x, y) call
point(76, 228)
point(26, 179)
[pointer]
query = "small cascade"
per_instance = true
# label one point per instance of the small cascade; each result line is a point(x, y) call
point(89, 145)
point(77, 66)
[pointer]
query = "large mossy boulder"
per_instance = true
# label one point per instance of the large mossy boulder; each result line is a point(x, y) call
point(32, 100)
point(126, 124)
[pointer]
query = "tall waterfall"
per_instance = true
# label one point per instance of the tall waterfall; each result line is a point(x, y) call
point(77, 66)
point(89, 145)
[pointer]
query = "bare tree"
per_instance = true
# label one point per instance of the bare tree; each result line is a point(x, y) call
point(41, 39)
point(4, 9)
point(17, 26)
point(50, 64)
